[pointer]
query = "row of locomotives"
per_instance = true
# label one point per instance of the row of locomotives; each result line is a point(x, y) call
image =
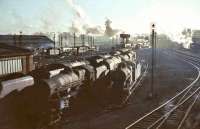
point(39, 98)
point(44, 95)
point(118, 77)
point(122, 80)
point(64, 83)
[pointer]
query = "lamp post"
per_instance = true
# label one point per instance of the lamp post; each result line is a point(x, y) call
point(74, 40)
point(153, 52)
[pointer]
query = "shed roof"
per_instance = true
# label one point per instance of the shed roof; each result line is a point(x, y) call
point(11, 51)
point(27, 41)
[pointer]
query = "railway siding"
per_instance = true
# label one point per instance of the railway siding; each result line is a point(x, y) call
point(176, 75)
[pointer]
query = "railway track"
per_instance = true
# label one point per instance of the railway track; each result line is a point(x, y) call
point(173, 113)
point(137, 83)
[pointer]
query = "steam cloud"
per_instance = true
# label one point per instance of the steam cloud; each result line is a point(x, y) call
point(110, 32)
point(80, 13)
point(51, 20)
point(81, 23)
point(184, 38)
point(95, 30)
point(75, 28)
point(45, 22)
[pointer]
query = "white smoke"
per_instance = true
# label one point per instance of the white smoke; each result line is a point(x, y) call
point(80, 13)
point(81, 23)
point(110, 32)
point(45, 21)
point(93, 30)
point(80, 18)
point(184, 38)
point(76, 27)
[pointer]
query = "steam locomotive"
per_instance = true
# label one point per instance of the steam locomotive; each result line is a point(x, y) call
point(46, 92)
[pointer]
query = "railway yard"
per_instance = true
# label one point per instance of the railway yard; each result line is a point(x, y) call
point(106, 91)
point(173, 77)
point(107, 64)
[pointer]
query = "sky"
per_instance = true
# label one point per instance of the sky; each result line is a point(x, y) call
point(131, 16)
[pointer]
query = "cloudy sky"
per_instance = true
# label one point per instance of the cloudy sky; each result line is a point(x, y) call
point(133, 16)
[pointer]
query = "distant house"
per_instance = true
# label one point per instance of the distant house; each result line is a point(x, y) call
point(196, 36)
point(31, 42)
point(15, 60)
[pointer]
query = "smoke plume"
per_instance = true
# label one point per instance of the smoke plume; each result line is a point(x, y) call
point(80, 13)
point(110, 32)
point(81, 23)
point(93, 30)
point(76, 27)
point(80, 18)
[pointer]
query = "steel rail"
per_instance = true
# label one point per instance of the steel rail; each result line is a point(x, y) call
point(165, 117)
point(135, 85)
point(188, 111)
point(173, 98)
point(185, 100)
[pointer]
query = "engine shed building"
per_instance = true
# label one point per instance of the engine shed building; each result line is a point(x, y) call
point(15, 60)
point(31, 42)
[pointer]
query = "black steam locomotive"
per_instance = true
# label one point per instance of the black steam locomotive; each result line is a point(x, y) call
point(46, 92)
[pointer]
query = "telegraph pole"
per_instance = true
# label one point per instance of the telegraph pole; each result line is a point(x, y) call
point(74, 40)
point(93, 41)
point(83, 39)
point(54, 40)
point(61, 41)
point(153, 52)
